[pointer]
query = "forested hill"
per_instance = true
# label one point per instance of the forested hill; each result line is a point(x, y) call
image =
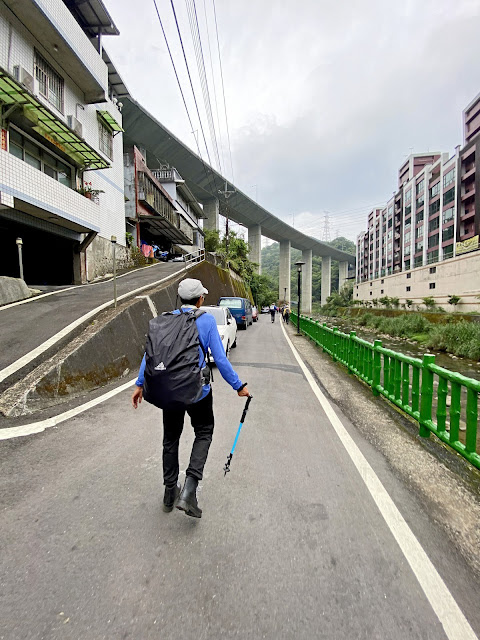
point(271, 257)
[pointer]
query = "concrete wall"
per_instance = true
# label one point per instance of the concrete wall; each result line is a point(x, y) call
point(458, 276)
point(110, 347)
point(13, 289)
point(99, 258)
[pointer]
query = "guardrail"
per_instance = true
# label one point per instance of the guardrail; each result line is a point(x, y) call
point(441, 401)
point(195, 256)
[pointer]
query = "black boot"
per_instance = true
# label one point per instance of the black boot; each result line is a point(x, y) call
point(188, 498)
point(170, 496)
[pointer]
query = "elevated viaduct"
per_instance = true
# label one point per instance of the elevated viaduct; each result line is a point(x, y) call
point(220, 197)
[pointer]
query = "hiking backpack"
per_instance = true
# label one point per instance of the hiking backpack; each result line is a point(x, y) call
point(173, 378)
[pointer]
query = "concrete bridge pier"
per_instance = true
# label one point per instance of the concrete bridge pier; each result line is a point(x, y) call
point(211, 211)
point(284, 271)
point(326, 278)
point(255, 242)
point(307, 282)
point(342, 274)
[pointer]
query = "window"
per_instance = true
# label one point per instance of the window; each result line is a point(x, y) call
point(433, 269)
point(50, 84)
point(448, 252)
point(381, 282)
point(449, 196)
point(407, 264)
point(419, 187)
point(419, 217)
point(432, 257)
point(408, 196)
point(408, 210)
point(419, 202)
point(409, 275)
point(447, 233)
point(419, 246)
point(408, 288)
point(419, 232)
point(434, 207)
point(36, 156)
point(381, 290)
point(435, 190)
point(431, 285)
point(105, 139)
point(449, 177)
point(418, 261)
point(433, 241)
point(448, 215)
point(433, 224)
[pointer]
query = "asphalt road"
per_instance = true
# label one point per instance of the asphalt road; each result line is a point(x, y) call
point(26, 326)
point(291, 544)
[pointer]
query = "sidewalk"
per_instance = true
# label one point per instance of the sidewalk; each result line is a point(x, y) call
point(27, 326)
point(292, 544)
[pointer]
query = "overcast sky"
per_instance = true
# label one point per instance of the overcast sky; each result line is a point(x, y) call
point(324, 100)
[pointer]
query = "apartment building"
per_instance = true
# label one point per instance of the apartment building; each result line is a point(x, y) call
point(61, 156)
point(160, 208)
point(423, 242)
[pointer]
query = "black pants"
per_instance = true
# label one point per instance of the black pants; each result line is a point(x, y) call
point(201, 415)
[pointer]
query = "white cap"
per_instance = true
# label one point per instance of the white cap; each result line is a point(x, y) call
point(191, 289)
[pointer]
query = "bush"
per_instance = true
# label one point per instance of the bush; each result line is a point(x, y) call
point(460, 338)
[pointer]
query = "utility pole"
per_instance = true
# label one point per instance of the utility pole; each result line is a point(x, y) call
point(226, 194)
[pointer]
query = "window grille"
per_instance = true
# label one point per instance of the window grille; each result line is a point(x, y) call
point(105, 140)
point(50, 84)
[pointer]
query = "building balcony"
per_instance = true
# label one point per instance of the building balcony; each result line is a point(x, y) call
point(52, 24)
point(468, 173)
point(42, 197)
point(468, 213)
point(469, 194)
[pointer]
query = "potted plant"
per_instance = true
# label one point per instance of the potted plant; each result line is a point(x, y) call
point(88, 191)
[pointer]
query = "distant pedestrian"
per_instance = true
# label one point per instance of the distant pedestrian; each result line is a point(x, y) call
point(273, 311)
point(286, 315)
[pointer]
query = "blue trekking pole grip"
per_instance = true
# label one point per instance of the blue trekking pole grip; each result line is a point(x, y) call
point(226, 468)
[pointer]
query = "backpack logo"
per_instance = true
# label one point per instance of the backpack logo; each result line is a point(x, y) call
point(160, 367)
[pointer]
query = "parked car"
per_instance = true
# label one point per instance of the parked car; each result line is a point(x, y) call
point(177, 259)
point(254, 314)
point(240, 308)
point(265, 309)
point(227, 327)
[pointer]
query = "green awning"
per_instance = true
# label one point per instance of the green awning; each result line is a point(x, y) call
point(109, 120)
point(49, 125)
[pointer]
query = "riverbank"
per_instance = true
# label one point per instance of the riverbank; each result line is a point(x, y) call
point(411, 337)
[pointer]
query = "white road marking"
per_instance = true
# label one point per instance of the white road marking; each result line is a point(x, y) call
point(28, 357)
point(454, 623)
point(77, 286)
point(38, 427)
point(151, 304)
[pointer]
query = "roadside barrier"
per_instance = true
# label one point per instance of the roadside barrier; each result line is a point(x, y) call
point(441, 401)
point(196, 256)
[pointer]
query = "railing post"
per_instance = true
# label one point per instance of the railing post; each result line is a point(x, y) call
point(377, 367)
point(426, 395)
point(351, 352)
point(334, 344)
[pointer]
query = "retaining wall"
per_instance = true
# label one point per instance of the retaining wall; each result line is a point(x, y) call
point(110, 347)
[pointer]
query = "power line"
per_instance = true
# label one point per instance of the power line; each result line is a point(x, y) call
point(193, 90)
point(223, 91)
point(214, 85)
point(197, 43)
point(182, 94)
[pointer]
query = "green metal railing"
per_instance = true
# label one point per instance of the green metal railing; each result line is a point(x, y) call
point(443, 402)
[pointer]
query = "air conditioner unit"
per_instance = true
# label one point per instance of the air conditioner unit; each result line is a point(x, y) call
point(25, 78)
point(75, 125)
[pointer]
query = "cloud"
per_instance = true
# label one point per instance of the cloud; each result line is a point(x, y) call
point(324, 99)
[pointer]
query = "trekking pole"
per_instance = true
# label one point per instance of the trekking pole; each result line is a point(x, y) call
point(226, 468)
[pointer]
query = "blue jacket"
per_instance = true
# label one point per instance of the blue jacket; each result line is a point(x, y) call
point(209, 339)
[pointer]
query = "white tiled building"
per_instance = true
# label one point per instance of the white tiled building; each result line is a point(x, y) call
point(61, 135)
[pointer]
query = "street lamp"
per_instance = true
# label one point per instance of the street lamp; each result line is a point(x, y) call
point(113, 240)
point(299, 266)
point(19, 242)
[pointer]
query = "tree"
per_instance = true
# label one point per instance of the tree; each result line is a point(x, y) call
point(212, 240)
point(454, 300)
point(263, 290)
point(429, 302)
point(409, 302)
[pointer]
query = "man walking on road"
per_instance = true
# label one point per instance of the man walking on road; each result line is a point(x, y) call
point(273, 311)
point(191, 293)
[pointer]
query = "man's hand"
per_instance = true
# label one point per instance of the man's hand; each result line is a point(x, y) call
point(243, 393)
point(137, 396)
